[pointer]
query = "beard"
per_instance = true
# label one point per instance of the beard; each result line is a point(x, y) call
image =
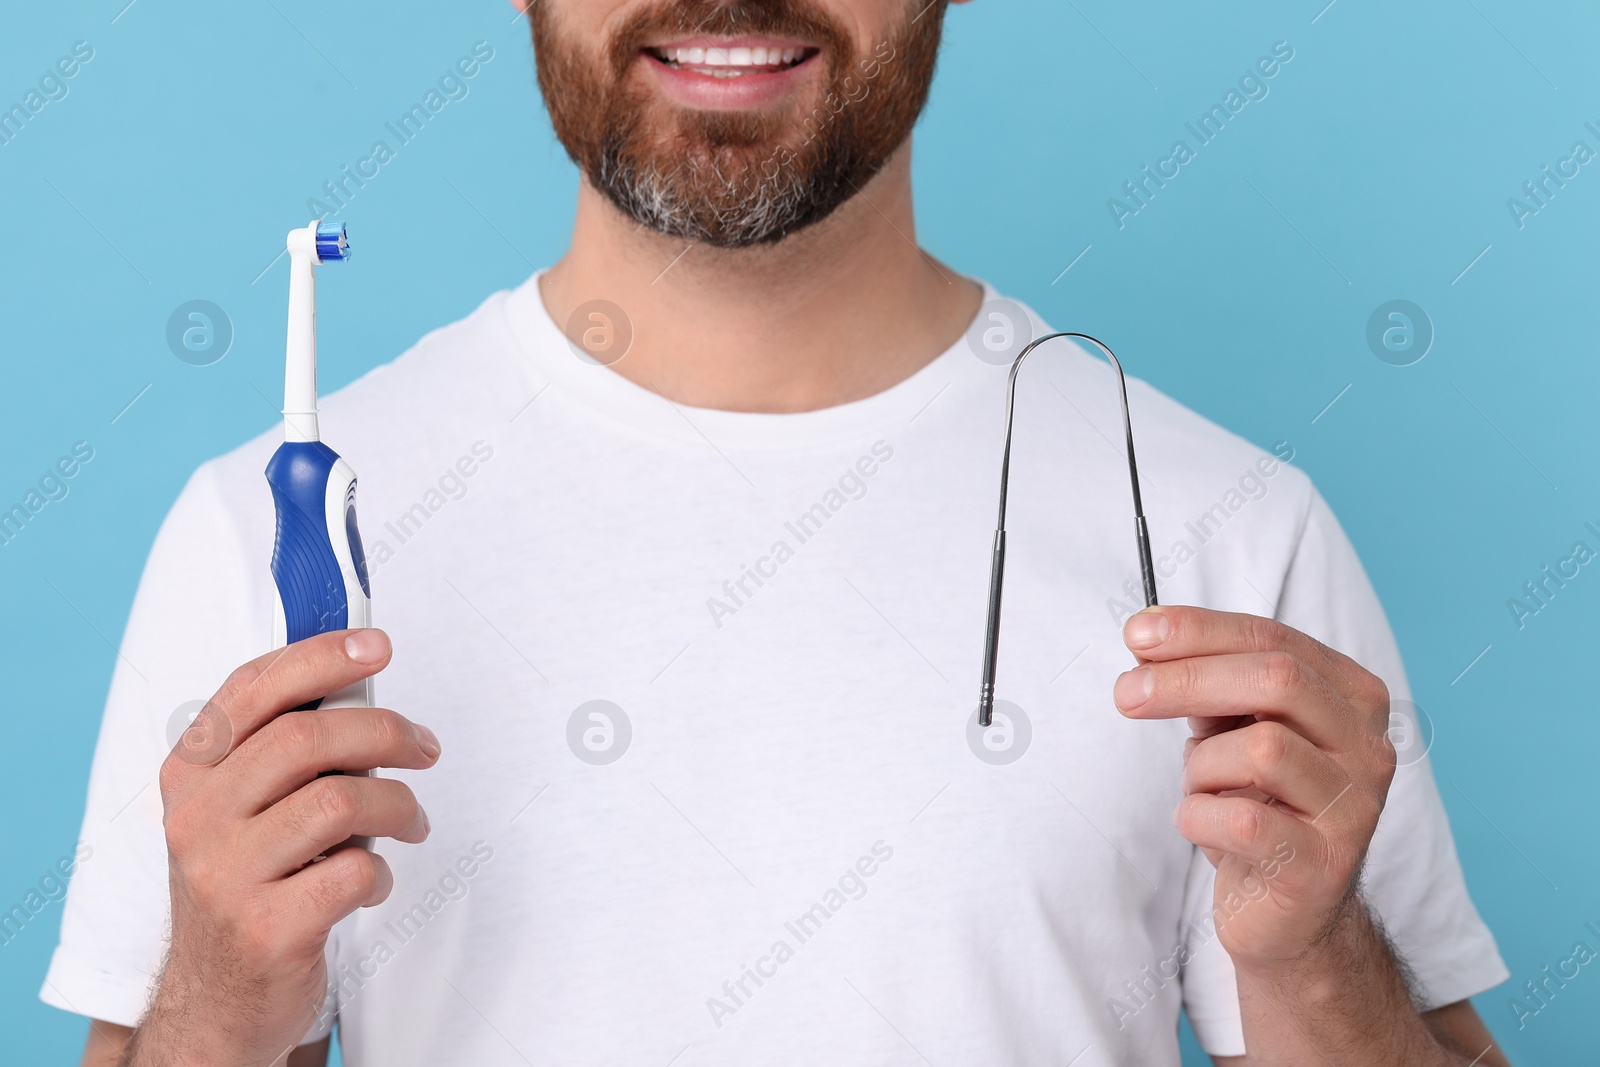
point(735, 179)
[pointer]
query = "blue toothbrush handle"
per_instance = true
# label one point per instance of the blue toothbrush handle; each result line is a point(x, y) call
point(319, 569)
point(318, 566)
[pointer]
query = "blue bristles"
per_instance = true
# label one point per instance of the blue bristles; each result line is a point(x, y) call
point(333, 242)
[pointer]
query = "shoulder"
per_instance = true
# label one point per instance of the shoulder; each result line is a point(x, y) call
point(1226, 515)
point(1190, 467)
point(449, 385)
point(1204, 466)
point(463, 363)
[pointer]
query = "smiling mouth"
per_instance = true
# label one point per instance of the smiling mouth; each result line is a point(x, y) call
point(739, 62)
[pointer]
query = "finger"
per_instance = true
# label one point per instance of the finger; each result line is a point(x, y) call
point(1246, 828)
point(328, 890)
point(1270, 757)
point(293, 749)
point(1268, 685)
point(1202, 727)
point(274, 683)
point(327, 811)
point(1178, 631)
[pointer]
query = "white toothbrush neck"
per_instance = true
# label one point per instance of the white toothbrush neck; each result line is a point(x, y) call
point(300, 372)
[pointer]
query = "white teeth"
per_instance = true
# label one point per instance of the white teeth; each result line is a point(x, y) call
point(731, 57)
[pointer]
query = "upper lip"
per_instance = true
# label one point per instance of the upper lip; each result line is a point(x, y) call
point(748, 41)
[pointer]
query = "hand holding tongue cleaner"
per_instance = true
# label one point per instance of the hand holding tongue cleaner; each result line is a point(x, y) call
point(317, 563)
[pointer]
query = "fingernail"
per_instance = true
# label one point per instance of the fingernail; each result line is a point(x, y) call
point(384, 885)
point(367, 646)
point(427, 742)
point(427, 827)
point(1145, 630)
point(1133, 688)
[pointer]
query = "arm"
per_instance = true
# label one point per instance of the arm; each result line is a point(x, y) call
point(1455, 1026)
point(1458, 1027)
point(1347, 1002)
point(1284, 780)
point(108, 1041)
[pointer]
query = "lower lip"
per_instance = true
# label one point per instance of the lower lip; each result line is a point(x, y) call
point(707, 93)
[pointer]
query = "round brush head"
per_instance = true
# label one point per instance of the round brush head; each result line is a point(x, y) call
point(333, 242)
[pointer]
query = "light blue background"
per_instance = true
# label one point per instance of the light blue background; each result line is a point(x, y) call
point(1378, 168)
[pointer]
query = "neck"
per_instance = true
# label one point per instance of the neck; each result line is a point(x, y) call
point(835, 313)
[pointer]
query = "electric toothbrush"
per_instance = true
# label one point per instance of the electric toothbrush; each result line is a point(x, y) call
point(318, 566)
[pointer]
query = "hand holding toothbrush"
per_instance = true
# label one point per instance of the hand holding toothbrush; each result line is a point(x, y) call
point(249, 811)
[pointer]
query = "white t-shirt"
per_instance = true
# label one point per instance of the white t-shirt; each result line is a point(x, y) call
point(775, 839)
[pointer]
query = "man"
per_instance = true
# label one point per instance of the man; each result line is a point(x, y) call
point(682, 549)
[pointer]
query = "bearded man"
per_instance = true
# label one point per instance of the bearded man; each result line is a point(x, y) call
point(686, 573)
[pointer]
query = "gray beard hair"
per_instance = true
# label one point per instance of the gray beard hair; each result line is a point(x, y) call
point(747, 213)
